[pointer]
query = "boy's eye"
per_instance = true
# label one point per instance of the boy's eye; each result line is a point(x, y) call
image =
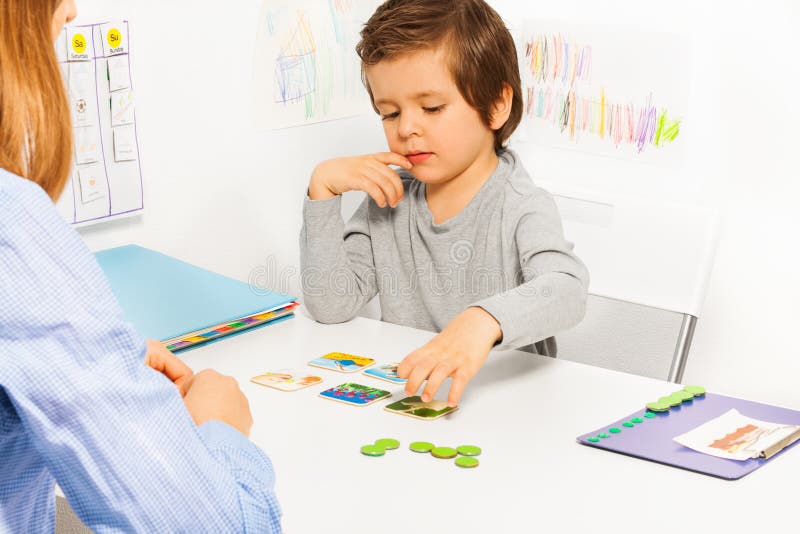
point(433, 109)
point(387, 116)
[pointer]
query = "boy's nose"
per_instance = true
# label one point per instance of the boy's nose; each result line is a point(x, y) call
point(409, 126)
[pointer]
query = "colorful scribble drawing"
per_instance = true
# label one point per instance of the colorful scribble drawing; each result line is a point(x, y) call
point(295, 66)
point(559, 70)
point(305, 66)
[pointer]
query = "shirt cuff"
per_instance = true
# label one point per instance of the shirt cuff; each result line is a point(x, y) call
point(323, 208)
point(218, 435)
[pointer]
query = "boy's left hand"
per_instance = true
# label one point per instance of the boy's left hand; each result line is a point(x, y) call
point(459, 351)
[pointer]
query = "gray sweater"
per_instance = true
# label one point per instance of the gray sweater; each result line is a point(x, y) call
point(505, 252)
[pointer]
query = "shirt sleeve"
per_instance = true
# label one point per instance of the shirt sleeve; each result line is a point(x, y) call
point(337, 265)
point(554, 282)
point(114, 434)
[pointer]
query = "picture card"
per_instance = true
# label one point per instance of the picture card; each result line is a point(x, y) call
point(355, 394)
point(736, 436)
point(124, 143)
point(415, 407)
point(80, 46)
point(92, 184)
point(286, 380)
point(87, 145)
point(82, 97)
point(386, 372)
point(343, 363)
point(119, 76)
point(114, 38)
point(122, 108)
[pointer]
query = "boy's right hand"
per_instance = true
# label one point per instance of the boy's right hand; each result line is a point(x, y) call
point(209, 396)
point(369, 173)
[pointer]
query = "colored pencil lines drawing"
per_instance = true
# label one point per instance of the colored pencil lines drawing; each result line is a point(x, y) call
point(295, 66)
point(305, 68)
point(550, 58)
point(558, 92)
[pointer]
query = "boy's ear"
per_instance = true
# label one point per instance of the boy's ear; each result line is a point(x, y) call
point(502, 108)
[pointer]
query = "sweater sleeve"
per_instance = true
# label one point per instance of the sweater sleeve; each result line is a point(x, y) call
point(337, 265)
point(554, 283)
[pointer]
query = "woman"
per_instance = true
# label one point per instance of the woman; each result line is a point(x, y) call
point(84, 401)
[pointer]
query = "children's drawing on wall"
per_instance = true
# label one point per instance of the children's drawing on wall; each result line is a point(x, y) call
point(606, 91)
point(305, 66)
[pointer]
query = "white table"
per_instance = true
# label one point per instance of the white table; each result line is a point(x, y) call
point(525, 412)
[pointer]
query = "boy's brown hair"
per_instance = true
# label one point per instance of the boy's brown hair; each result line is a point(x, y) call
point(483, 58)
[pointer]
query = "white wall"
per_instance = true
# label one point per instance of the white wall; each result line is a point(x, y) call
point(227, 197)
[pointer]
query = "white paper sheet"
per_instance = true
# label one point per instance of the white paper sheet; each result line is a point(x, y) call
point(735, 436)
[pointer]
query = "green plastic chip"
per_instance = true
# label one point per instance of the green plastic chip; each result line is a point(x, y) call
point(615, 430)
point(637, 420)
point(697, 391)
point(444, 452)
point(373, 450)
point(649, 415)
point(627, 424)
point(658, 406)
point(468, 450)
point(593, 439)
point(670, 400)
point(388, 443)
point(421, 446)
point(467, 461)
point(603, 435)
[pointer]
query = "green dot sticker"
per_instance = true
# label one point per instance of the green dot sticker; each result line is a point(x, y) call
point(697, 391)
point(593, 439)
point(444, 452)
point(627, 424)
point(658, 406)
point(603, 435)
point(649, 415)
point(421, 446)
point(388, 443)
point(637, 420)
point(468, 450)
point(372, 450)
point(467, 462)
point(615, 430)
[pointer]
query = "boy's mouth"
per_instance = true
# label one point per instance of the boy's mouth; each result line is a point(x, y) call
point(418, 157)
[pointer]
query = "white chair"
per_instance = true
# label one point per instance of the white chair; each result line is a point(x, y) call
point(649, 264)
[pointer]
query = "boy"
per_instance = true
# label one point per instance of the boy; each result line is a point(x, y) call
point(459, 241)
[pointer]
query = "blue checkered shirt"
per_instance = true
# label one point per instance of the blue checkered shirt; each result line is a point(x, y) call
point(79, 407)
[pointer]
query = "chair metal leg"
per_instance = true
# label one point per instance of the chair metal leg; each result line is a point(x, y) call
point(682, 348)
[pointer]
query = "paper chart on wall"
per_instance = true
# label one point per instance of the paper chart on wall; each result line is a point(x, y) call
point(106, 177)
point(305, 68)
point(607, 91)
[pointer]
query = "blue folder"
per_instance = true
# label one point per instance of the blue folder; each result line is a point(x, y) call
point(165, 298)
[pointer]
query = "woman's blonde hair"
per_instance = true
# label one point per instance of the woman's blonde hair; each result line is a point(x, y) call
point(35, 129)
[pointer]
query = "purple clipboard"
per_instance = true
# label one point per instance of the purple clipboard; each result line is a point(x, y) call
point(652, 438)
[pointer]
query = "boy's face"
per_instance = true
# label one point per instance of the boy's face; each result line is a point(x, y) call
point(426, 119)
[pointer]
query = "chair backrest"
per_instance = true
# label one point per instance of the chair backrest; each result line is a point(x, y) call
point(649, 264)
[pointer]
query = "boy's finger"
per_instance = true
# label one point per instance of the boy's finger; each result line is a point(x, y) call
point(407, 365)
point(392, 179)
point(456, 389)
point(417, 377)
point(393, 158)
point(383, 178)
point(372, 189)
point(438, 376)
